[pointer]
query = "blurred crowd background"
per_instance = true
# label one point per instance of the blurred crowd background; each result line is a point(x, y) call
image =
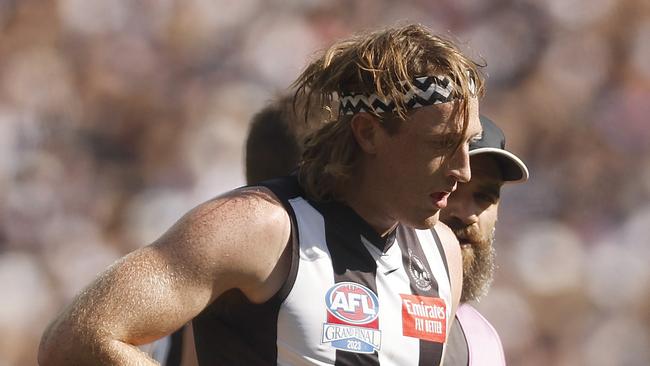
point(118, 116)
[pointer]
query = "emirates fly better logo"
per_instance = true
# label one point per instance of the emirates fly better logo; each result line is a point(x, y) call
point(352, 325)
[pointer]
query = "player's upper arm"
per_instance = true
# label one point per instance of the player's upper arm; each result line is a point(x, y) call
point(234, 241)
point(454, 261)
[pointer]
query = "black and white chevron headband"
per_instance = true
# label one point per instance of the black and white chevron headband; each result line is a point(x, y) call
point(426, 90)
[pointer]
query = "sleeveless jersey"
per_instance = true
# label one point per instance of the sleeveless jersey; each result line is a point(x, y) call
point(351, 297)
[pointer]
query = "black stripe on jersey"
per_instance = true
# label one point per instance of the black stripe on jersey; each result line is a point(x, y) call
point(351, 261)
point(441, 250)
point(234, 331)
point(417, 267)
point(286, 188)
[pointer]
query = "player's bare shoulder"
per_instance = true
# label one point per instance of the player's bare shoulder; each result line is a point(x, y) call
point(446, 235)
point(237, 239)
point(450, 245)
point(454, 260)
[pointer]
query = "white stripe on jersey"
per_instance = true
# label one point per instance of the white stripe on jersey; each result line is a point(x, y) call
point(309, 281)
point(434, 257)
point(402, 349)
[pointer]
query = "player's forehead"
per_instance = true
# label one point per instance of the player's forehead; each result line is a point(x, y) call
point(447, 118)
point(474, 124)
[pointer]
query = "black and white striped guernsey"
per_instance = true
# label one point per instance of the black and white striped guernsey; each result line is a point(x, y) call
point(351, 297)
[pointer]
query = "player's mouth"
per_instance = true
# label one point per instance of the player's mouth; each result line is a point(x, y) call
point(439, 199)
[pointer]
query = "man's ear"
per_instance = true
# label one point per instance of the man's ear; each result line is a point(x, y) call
point(365, 128)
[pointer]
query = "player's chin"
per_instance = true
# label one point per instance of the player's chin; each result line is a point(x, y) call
point(425, 222)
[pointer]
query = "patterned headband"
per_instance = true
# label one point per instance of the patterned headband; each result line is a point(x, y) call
point(426, 90)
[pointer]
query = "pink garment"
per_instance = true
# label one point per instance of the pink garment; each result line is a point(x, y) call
point(483, 343)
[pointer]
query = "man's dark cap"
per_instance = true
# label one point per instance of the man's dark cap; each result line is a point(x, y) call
point(493, 142)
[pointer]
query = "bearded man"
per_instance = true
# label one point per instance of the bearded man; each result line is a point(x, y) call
point(471, 213)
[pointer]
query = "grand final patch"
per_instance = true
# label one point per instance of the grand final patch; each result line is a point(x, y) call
point(352, 323)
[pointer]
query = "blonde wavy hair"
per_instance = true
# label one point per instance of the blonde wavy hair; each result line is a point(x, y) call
point(385, 63)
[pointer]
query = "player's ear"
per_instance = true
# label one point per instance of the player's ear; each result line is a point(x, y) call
point(365, 128)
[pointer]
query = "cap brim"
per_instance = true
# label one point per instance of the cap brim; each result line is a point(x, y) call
point(514, 170)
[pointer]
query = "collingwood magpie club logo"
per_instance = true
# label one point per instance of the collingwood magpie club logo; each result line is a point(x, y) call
point(419, 272)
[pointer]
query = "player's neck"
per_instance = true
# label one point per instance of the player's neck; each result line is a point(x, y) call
point(367, 204)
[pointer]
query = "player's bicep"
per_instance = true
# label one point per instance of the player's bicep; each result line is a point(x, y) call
point(232, 242)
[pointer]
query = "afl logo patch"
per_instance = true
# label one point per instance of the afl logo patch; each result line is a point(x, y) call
point(419, 272)
point(352, 323)
point(352, 303)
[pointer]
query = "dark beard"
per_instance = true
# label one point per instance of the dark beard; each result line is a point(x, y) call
point(478, 263)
